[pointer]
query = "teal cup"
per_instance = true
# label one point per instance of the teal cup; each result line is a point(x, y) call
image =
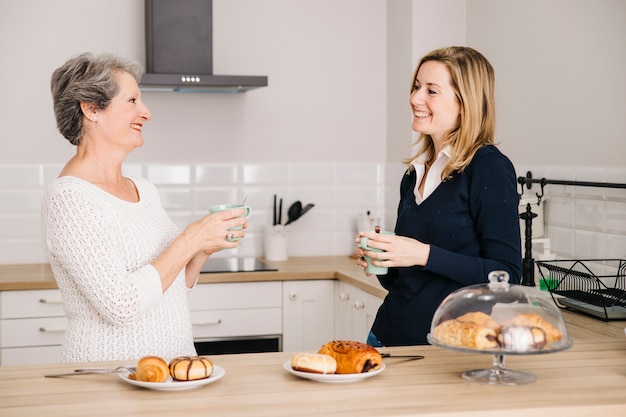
point(371, 268)
point(224, 207)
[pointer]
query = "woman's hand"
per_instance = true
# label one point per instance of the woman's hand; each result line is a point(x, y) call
point(212, 233)
point(399, 250)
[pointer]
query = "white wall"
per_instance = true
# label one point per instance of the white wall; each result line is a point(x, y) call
point(325, 61)
point(561, 89)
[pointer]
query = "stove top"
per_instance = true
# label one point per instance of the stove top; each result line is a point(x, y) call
point(235, 265)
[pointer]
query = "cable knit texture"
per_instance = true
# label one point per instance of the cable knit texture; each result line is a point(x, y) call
point(100, 248)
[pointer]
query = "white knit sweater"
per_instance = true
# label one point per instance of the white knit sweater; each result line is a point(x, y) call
point(100, 249)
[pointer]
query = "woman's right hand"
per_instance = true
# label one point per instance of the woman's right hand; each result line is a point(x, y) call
point(210, 232)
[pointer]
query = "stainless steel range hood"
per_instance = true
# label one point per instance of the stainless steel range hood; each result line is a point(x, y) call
point(179, 50)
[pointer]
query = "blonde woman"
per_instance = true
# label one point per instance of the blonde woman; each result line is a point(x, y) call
point(458, 212)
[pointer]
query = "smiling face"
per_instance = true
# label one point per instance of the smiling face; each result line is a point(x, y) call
point(121, 122)
point(436, 110)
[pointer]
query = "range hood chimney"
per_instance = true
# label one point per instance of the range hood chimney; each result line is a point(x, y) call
point(179, 50)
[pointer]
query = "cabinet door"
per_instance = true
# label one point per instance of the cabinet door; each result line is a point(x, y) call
point(30, 355)
point(31, 303)
point(364, 309)
point(308, 314)
point(355, 312)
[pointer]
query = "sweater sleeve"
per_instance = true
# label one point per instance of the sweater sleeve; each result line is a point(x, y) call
point(493, 203)
point(85, 240)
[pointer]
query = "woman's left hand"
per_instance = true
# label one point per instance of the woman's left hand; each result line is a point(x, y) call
point(399, 250)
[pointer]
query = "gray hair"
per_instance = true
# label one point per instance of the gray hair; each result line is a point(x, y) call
point(86, 79)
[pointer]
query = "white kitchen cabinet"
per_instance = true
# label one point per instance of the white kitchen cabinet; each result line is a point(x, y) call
point(32, 327)
point(227, 310)
point(308, 313)
point(355, 311)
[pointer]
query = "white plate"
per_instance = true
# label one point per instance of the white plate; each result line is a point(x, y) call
point(333, 378)
point(171, 385)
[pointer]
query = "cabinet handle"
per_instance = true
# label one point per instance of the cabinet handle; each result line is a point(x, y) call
point(53, 301)
point(344, 297)
point(293, 295)
point(46, 330)
point(358, 305)
point(208, 323)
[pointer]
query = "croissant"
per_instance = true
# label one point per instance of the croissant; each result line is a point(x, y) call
point(480, 318)
point(152, 369)
point(463, 334)
point(535, 320)
point(352, 357)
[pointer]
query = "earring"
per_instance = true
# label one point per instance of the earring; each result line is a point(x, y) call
point(95, 118)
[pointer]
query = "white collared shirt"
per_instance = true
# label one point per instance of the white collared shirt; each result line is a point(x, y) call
point(433, 179)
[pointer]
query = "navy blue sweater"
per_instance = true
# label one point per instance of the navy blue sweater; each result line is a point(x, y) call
point(471, 222)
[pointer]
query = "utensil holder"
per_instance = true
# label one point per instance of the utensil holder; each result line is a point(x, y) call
point(275, 242)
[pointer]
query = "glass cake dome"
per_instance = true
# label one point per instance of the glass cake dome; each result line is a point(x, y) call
point(501, 319)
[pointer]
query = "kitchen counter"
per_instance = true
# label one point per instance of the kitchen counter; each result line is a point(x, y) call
point(39, 276)
point(587, 380)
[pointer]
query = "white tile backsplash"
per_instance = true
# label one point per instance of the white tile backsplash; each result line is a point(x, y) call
point(169, 174)
point(18, 176)
point(579, 223)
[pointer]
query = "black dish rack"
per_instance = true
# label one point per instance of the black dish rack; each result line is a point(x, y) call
point(573, 286)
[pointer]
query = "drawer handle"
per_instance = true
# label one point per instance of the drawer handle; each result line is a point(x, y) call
point(344, 297)
point(208, 323)
point(53, 301)
point(358, 305)
point(46, 330)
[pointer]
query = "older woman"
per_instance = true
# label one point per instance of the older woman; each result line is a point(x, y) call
point(458, 211)
point(122, 266)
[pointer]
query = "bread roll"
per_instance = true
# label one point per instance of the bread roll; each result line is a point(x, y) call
point(152, 369)
point(468, 335)
point(352, 357)
point(190, 368)
point(521, 338)
point(535, 320)
point(314, 363)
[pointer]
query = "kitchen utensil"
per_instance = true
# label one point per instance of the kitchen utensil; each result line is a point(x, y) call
point(294, 212)
point(304, 210)
point(280, 211)
point(89, 371)
point(391, 355)
point(274, 219)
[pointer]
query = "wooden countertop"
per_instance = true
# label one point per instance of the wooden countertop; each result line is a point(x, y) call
point(39, 276)
point(587, 380)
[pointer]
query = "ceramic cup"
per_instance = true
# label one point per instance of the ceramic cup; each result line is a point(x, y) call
point(373, 269)
point(223, 207)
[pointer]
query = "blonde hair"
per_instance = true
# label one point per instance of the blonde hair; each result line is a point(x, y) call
point(473, 81)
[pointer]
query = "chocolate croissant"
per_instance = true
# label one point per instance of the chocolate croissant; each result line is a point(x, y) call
point(352, 357)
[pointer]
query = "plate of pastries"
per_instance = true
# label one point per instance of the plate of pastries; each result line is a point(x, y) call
point(338, 361)
point(180, 373)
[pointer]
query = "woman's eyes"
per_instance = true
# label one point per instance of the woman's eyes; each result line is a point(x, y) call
point(133, 100)
point(417, 87)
